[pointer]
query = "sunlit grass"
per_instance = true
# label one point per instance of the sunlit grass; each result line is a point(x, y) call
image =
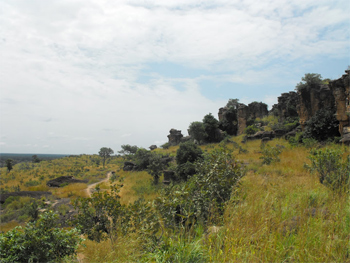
point(72, 190)
point(137, 185)
point(4, 227)
point(279, 213)
point(124, 249)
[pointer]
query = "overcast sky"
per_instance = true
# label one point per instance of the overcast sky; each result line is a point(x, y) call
point(78, 75)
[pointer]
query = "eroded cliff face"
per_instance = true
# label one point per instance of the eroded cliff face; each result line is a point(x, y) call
point(242, 117)
point(237, 119)
point(174, 137)
point(313, 99)
point(340, 89)
point(287, 106)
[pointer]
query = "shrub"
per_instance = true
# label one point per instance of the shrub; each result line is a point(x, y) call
point(165, 145)
point(210, 126)
point(203, 196)
point(95, 212)
point(310, 79)
point(322, 126)
point(250, 130)
point(197, 131)
point(186, 155)
point(188, 152)
point(333, 170)
point(31, 183)
point(155, 167)
point(270, 154)
point(39, 241)
point(142, 158)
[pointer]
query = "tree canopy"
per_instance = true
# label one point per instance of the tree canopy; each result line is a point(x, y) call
point(105, 153)
point(310, 79)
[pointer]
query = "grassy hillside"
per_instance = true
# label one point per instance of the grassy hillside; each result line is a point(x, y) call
point(279, 212)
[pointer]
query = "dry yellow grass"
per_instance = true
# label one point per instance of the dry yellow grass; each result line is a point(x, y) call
point(4, 227)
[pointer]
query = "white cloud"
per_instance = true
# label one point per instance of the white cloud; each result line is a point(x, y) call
point(73, 67)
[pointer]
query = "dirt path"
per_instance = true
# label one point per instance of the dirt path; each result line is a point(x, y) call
point(89, 190)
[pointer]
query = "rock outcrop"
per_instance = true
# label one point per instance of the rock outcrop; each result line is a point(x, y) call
point(129, 166)
point(64, 180)
point(341, 92)
point(313, 99)
point(153, 147)
point(242, 117)
point(174, 137)
point(286, 106)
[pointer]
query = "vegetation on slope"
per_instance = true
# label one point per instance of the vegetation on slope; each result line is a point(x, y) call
point(279, 211)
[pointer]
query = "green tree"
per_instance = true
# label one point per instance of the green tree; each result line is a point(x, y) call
point(128, 150)
point(142, 158)
point(9, 164)
point(35, 159)
point(99, 215)
point(322, 126)
point(203, 196)
point(197, 131)
point(211, 126)
point(39, 241)
point(187, 154)
point(105, 153)
point(309, 80)
point(233, 103)
point(155, 167)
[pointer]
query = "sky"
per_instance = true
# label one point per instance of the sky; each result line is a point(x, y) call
point(78, 75)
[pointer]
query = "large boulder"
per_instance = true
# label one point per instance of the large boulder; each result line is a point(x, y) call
point(175, 137)
point(129, 166)
point(153, 147)
point(64, 180)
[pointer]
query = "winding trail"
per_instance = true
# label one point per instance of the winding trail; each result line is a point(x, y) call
point(89, 190)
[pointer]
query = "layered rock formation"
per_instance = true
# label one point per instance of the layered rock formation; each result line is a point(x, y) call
point(286, 106)
point(174, 137)
point(237, 119)
point(313, 99)
point(341, 92)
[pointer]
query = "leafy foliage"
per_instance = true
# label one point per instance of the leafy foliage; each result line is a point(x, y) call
point(188, 152)
point(9, 164)
point(186, 155)
point(230, 123)
point(105, 153)
point(310, 79)
point(203, 196)
point(99, 215)
point(39, 241)
point(333, 170)
point(210, 126)
point(270, 154)
point(197, 131)
point(155, 167)
point(322, 126)
point(128, 150)
point(250, 130)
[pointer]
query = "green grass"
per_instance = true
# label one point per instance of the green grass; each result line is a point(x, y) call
point(279, 213)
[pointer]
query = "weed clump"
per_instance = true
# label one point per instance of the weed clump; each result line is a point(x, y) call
point(332, 169)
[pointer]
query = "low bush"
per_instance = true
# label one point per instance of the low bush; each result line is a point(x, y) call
point(39, 241)
point(333, 170)
point(270, 154)
point(250, 130)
